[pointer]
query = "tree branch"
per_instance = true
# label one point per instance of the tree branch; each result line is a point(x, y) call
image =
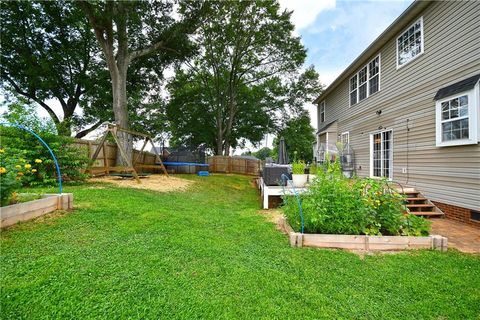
point(84, 132)
point(34, 98)
point(143, 52)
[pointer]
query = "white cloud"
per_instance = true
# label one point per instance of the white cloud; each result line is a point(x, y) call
point(305, 11)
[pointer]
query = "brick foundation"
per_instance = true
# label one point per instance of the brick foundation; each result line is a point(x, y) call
point(457, 213)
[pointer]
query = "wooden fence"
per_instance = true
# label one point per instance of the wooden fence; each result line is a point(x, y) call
point(224, 164)
point(105, 161)
point(107, 158)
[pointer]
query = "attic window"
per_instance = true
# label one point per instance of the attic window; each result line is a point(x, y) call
point(410, 43)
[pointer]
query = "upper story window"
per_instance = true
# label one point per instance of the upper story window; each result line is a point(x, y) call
point(322, 111)
point(457, 118)
point(366, 82)
point(410, 43)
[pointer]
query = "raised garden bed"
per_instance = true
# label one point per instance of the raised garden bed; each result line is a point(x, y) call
point(12, 214)
point(363, 242)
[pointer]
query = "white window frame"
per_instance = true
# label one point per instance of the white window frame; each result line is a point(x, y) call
point(342, 139)
point(421, 44)
point(390, 177)
point(473, 118)
point(321, 111)
point(379, 56)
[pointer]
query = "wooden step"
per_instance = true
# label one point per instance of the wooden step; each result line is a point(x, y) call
point(416, 199)
point(420, 205)
point(427, 213)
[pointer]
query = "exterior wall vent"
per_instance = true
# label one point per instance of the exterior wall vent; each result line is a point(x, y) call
point(475, 215)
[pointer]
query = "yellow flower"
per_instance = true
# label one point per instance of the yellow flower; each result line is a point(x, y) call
point(34, 170)
point(20, 174)
point(18, 166)
point(28, 166)
point(2, 150)
point(2, 170)
point(38, 160)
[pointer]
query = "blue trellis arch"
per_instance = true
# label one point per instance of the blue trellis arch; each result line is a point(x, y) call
point(59, 174)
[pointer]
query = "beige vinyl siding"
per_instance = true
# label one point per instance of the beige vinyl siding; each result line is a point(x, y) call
point(451, 53)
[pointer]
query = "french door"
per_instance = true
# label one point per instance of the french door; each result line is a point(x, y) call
point(381, 154)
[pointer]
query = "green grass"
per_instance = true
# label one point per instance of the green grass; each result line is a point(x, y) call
point(208, 253)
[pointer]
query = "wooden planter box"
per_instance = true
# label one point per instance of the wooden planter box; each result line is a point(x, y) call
point(361, 242)
point(12, 214)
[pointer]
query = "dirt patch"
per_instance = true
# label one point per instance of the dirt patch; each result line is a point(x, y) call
point(158, 183)
point(275, 216)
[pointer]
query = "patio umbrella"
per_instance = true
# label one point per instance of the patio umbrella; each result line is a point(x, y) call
point(282, 152)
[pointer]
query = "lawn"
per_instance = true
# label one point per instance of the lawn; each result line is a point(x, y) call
point(208, 253)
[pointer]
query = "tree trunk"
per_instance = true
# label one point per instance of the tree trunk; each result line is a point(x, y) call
point(119, 89)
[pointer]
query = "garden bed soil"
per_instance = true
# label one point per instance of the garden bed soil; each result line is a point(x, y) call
point(160, 183)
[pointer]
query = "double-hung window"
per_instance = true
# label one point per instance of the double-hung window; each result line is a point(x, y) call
point(322, 111)
point(365, 82)
point(410, 43)
point(457, 118)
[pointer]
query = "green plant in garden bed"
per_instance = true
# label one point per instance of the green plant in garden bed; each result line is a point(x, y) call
point(335, 204)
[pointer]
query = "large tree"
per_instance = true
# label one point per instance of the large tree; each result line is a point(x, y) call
point(128, 31)
point(249, 58)
point(49, 54)
point(299, 137)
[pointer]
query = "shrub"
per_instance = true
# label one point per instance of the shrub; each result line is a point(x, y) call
point(337, 205)
point(22, 143)
point(9, 177)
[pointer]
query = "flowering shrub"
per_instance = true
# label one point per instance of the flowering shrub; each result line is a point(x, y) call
point(23, 144)
point(335, 204)
point(14, 172)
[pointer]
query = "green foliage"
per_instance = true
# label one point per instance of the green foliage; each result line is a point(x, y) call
point(298, 167)
point(246, 75)
point(299, 137)
point(313, 168)
point(49, 53)
point(337, 205)
point(263, 153)
point(29, 151)
point(9, 178)
point(208, 254)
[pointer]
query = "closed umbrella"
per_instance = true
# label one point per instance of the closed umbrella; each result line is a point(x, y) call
point(282, 152)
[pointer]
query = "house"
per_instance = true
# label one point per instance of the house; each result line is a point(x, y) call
point(408, 106)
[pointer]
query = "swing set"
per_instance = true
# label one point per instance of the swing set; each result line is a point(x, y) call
point(129, 170)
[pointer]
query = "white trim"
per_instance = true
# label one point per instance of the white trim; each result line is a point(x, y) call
point(473, 118)
point(421, 44)
point(390, 177)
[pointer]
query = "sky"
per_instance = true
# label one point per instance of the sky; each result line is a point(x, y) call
point(335, 33)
